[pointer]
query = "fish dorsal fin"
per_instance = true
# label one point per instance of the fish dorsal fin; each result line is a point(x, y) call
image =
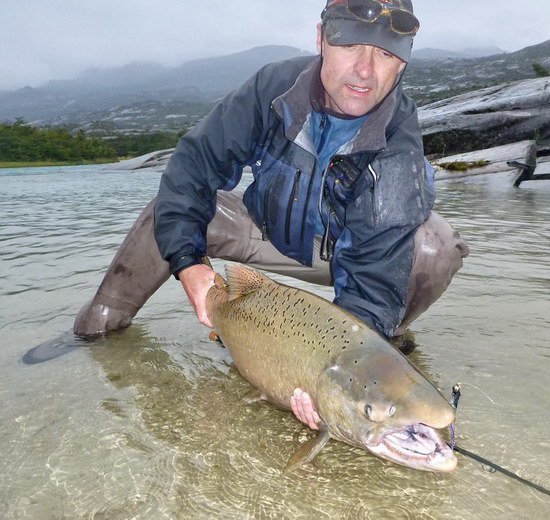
point(242, 280)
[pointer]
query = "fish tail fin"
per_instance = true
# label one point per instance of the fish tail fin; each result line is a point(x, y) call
point(242, 280)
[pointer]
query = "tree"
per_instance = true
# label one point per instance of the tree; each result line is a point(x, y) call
point(21, 142)
point(540, 71)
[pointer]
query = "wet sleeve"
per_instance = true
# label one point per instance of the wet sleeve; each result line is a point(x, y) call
point(374, 254)
point(209, 157)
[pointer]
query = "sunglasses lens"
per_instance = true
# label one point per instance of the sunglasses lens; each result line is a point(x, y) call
point(404, 22)
point(366, 10)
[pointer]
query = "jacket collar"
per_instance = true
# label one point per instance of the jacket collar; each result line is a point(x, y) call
point(307, 93)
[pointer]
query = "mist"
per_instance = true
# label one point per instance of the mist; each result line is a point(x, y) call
point(44, 40)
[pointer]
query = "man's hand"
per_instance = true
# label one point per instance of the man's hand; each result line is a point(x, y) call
point(196, 281)
point(304, 409)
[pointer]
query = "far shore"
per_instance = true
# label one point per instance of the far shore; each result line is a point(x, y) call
point(42, 164)
point(498, 159)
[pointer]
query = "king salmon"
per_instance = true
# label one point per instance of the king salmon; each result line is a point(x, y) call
point(366, 392)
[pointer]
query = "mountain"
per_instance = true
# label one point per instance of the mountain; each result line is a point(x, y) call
point(481, 52)
point(98, 92)
point(145, 96)
point(441, 54)
point(428, 80)
point(135, 73)
point(217, 76)
point(435, 54)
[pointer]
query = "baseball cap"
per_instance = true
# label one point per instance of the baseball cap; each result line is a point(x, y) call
point(389, 24)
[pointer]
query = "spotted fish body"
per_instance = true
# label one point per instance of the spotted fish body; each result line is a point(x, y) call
point(365, 391)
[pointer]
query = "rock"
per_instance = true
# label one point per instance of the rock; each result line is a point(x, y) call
point(496, 158)
point(156, 160)
point(488, 117)
point(543, 167)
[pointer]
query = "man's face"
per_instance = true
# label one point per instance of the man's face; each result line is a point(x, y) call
point(356, 77)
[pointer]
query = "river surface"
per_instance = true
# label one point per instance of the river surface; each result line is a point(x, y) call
point(149, 423)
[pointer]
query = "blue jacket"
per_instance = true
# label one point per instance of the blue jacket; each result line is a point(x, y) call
point(377, 189)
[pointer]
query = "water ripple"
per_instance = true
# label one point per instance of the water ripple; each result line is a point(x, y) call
point(150, 423)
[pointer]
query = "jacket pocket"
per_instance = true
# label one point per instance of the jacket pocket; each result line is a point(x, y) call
point(402, 197)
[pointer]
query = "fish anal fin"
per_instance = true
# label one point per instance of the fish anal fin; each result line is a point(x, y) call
point(242, 280)
point(307, 451)
point(214, 336)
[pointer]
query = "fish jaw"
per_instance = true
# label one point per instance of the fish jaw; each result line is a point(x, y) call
point(416, 446)
point(376, 399)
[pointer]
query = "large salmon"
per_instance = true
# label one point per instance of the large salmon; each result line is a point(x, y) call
point(366, 392)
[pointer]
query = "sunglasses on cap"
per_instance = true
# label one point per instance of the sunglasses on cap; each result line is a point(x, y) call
point(401, 20)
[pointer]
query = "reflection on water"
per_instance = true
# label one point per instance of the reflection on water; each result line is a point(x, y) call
point(150, 422)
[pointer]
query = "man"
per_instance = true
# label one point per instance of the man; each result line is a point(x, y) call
point(341, 193)
point(339, 120)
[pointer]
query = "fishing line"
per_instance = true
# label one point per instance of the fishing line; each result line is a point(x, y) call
point(460, 385)
point(500, 469)
point(455, 397)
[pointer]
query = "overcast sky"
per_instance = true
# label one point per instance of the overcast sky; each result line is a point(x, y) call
point(56, 39)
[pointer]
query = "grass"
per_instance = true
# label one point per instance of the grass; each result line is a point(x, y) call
point(37, 164)
point(461, 166)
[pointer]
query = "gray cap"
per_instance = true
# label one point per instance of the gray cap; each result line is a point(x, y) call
point(347, 23)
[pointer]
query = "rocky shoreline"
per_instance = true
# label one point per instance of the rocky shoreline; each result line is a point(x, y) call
point(490, 160)
point(495, 160)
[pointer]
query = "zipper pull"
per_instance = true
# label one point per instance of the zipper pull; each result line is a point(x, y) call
point(374, 176)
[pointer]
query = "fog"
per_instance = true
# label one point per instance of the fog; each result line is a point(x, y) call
point(57, 39)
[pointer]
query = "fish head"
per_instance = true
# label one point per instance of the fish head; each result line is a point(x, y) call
point(378, 400)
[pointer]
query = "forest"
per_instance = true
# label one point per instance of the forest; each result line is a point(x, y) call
point(23, 143)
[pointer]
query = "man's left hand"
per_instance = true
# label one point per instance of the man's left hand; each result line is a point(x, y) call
point(304, 409)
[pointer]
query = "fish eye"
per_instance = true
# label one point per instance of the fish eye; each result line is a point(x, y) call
point(368, 410)
point(391, 411)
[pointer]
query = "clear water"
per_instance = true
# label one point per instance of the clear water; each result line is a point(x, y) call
point(150, 423)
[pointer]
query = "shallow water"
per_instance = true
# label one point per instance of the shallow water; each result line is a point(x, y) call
point(150, 423)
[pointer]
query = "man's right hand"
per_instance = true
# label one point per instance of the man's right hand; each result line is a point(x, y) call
point(196, 281)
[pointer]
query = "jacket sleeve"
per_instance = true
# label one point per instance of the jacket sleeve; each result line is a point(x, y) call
point(209, 157)
point(374, 255)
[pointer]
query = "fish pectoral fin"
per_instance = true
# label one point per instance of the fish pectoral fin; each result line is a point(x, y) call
point(307, 452)
point(253, 396)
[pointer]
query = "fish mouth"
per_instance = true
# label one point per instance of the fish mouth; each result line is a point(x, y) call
point(416, 446)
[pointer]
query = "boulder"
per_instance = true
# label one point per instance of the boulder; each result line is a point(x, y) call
point(495, 160)
point(488, 117)
point(156, 160)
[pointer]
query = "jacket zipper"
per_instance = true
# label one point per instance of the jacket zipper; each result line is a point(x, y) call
point(290, 204)
point(325, 252)
point(304, 216)
point(265, 229)
point(374, 176)
point(327, 246)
